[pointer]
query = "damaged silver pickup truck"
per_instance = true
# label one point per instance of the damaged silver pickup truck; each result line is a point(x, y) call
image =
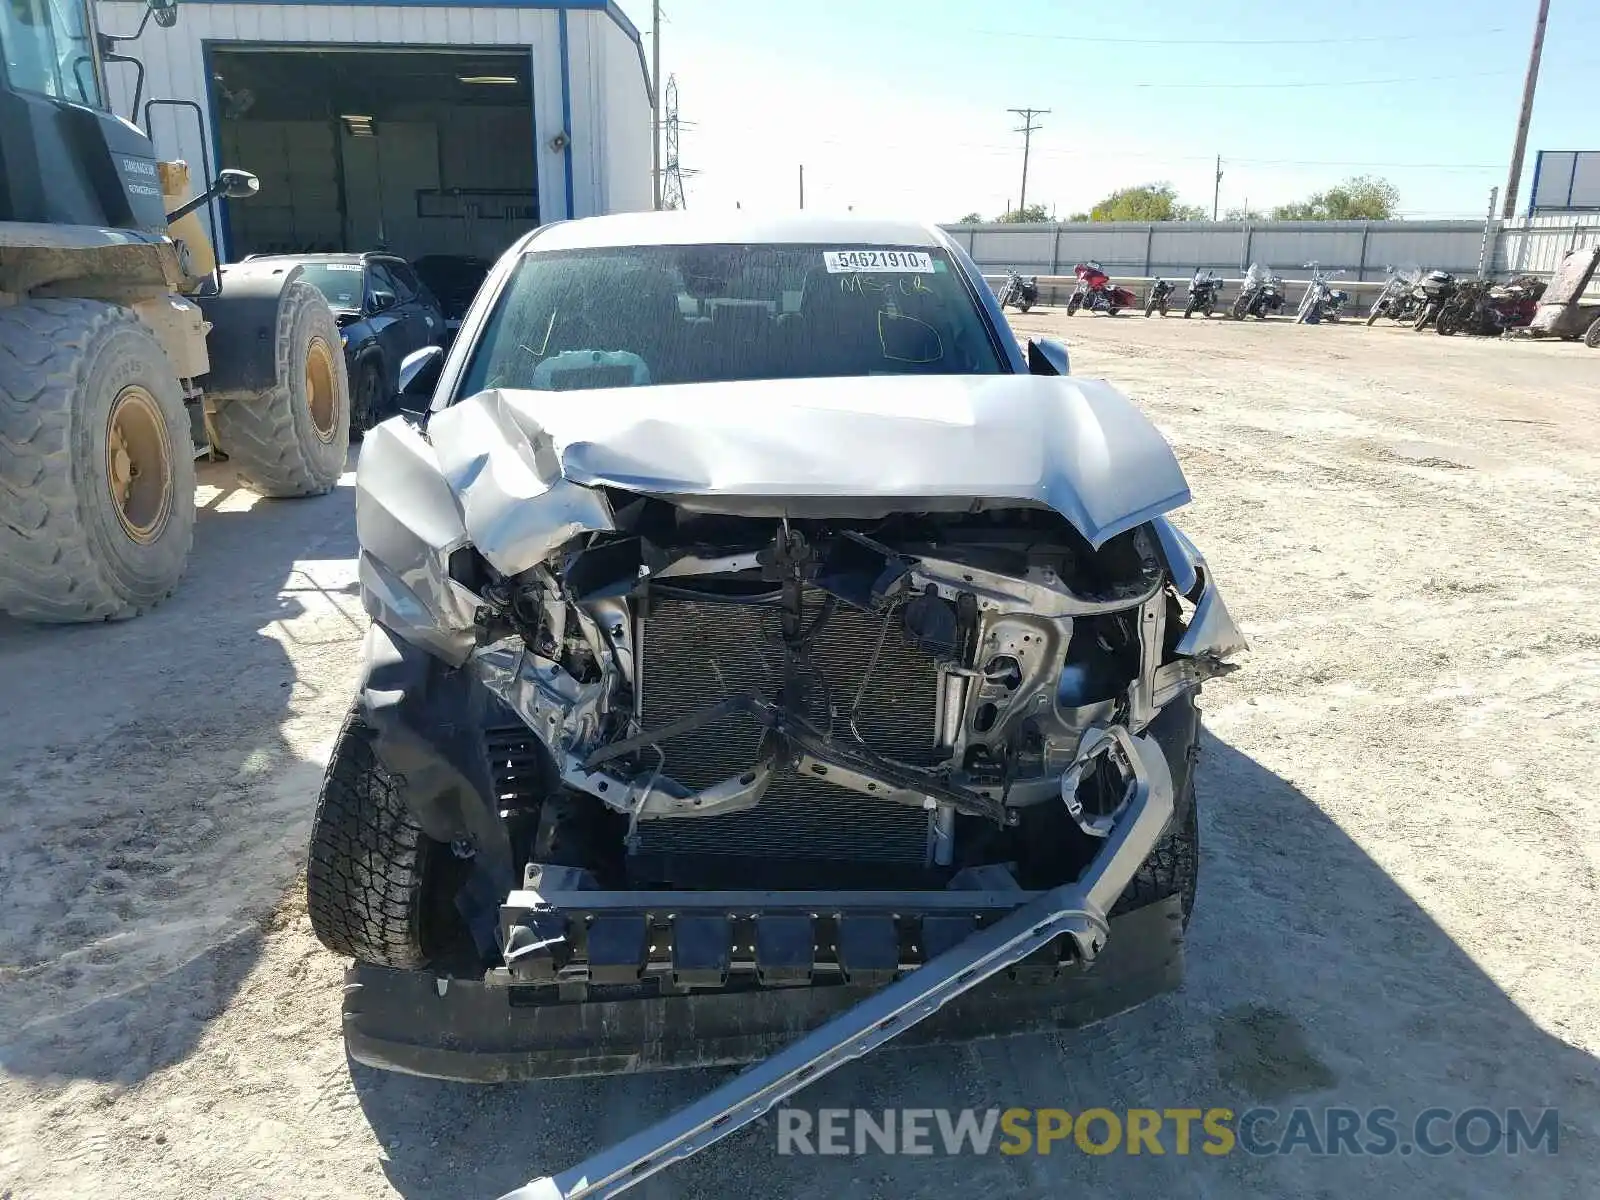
point(768, 657)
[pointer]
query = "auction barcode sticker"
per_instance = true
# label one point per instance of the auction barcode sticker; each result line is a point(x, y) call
point(919, 262)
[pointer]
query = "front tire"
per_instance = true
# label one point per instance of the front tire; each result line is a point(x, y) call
point(293, 438)
point(1173, 868)
point(1591, 337)
point(1074, 304)
point(367, 398)
point(1024, 305)
point(96, 466)
point(369, 865)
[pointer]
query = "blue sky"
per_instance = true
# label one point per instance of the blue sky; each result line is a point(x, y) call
point(900, 105)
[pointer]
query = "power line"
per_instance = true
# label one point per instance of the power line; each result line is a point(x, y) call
point(1058, 152)
point(1341, 41)
point(1027, 131)
point(1211, 85)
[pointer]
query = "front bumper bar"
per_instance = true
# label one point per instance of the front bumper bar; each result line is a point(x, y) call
point(1077, 911)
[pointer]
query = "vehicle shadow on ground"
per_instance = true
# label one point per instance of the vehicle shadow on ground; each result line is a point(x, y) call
point(151, 808)
point(1314, 979)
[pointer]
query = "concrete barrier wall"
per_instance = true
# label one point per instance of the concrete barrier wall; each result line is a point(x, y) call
point(1363, 250)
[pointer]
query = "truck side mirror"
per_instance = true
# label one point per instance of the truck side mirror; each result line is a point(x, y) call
point(1048, 356)
point(419, 375)
point(165, 12)
point(237, 184)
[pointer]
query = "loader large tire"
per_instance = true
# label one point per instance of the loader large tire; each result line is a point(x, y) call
point(292, 439)
point(369, 864)
point(96, 467)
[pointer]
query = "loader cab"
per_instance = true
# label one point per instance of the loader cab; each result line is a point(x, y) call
point(65, 158)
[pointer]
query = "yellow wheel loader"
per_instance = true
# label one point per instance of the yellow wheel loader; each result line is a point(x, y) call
point(126, 352)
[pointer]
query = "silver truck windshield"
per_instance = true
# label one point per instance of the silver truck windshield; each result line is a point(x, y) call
point(640, 315)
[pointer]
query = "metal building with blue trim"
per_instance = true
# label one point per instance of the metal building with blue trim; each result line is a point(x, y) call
point(418, 126)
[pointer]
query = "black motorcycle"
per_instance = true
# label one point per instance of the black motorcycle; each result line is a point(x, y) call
point(1205, 289)
point(1157, 301)
point(1262, 294)
point(1019, 291)
point(1433, 291)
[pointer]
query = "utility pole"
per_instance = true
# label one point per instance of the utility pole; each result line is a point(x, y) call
point(802, 185)
point(1216, 191)
point(655, 99)
point(1027, 131)
point(1528, 86)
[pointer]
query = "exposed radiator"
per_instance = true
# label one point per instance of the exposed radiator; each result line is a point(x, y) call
point(696, 654)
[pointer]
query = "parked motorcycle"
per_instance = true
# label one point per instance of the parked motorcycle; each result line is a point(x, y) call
point(1019, 291)
point(1487, 310)
point(1432, 292)
point(1262, 293)
point(1096, 292)
point(1159, 293)
point(1397, 301)
point(1205, 289)
point(1322, 302)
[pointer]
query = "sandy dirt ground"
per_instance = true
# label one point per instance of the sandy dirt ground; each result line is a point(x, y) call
point(1398, 906)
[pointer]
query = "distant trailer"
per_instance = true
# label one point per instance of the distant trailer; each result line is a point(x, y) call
point(1565, 181)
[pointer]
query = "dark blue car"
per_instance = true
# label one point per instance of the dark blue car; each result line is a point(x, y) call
point(384, 313)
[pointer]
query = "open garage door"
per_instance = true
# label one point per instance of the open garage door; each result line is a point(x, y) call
point(415, 152)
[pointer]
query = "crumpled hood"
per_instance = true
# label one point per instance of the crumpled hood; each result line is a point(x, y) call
point(520, 463)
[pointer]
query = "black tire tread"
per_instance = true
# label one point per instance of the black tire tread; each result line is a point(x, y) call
point(1591, 337)
point(259, 433)
point(49, 569)
point(1173, 868)
point(368, 860)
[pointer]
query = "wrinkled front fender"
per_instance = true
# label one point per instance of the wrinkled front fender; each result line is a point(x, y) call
point(1211, 632)
point(408, 526)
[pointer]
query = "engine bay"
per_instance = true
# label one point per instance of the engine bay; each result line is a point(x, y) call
point(750, 697)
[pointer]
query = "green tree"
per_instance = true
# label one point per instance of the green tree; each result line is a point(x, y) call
point(1147, 202)
point(1359, 198)
point(1030, 214)
point(1243, 214)
point(972, 218)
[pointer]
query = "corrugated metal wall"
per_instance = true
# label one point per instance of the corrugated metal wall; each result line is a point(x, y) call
point(1361, 249)
point(625, 103)
point(175, 67)
point(1536, 246)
